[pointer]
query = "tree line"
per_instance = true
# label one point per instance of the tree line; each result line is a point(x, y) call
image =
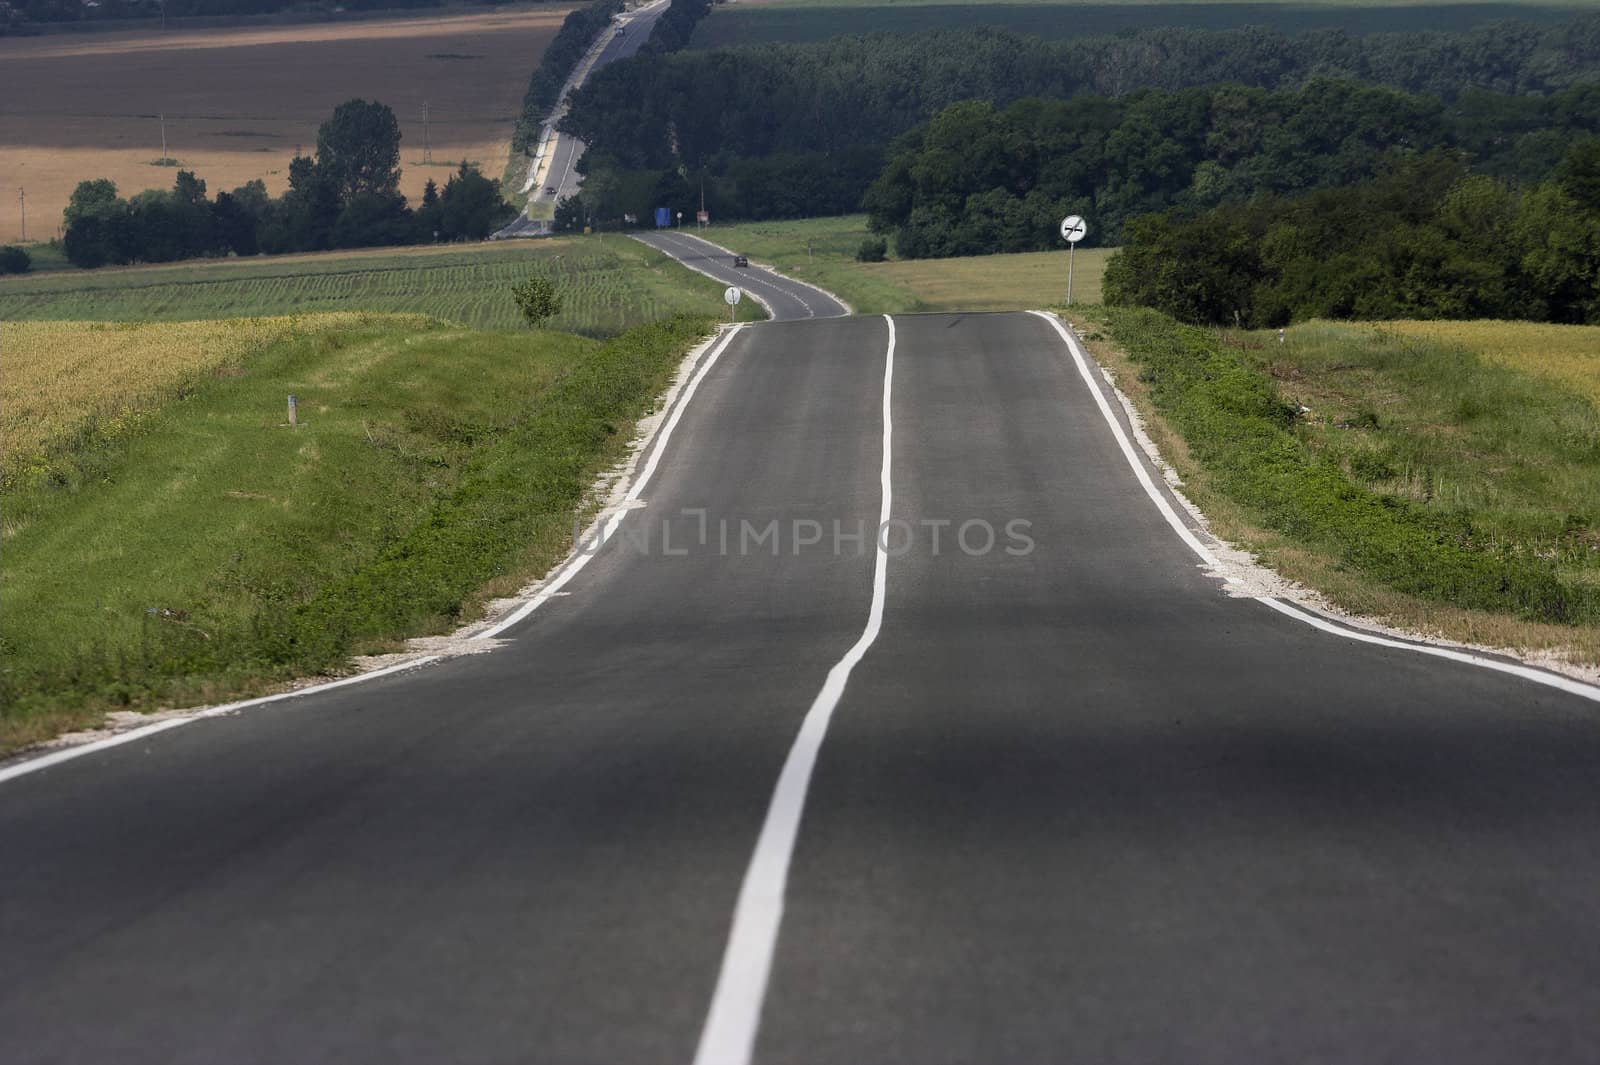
point(346, 196)
point(577, 35)
point(578, 32)
point(976, 180)
point(798, 129)
point(1423, 239)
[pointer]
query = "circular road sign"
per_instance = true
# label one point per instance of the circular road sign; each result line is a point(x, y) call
point(1073, 228)
point(732, 295)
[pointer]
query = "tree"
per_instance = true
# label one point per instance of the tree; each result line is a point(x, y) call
point(14, 260)
point(358, 151)
point(1579, 173)
point(538, 300)
point(428, 220)
point(470, 208)
point(99, 226)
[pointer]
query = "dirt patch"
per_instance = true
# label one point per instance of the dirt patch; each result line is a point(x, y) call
point(240, 102)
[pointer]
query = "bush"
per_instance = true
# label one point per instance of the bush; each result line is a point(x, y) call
point(538, 300)
point(873, 250)
point(14, 260)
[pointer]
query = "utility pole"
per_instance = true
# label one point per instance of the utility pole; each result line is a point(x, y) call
point(22, 198)
point(163, 140)
point(427, 147)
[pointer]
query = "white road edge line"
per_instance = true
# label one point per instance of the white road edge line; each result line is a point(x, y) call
point(583, 553)
point(1537, 676)
point(579, 559)
point(729, 1035)
point(66, 754)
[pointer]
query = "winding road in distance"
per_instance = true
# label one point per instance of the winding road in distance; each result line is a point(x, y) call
point(759, 787)
point(631, 31)
point(784, 298)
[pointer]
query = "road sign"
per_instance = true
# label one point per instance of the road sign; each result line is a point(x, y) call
point(1073, 229)
point(702, 217)
point(663, 217)
point(732, 295)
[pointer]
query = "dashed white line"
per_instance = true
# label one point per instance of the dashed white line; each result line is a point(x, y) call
point(730, 1031)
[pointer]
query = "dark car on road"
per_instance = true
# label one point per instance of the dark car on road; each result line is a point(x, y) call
point(740, 260)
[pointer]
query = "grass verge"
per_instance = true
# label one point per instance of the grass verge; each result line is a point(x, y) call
point(219, 552)
point(1512, 567)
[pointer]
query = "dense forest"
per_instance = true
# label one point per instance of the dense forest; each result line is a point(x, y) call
point(347, 196)
point(791, 130)
point(1424, 239)
point(976, 180)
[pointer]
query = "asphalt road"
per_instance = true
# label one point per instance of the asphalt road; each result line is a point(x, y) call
point(784, 298)
point(565, 150)
point(1075, 802)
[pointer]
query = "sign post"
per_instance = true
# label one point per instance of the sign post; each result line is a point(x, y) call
point(731, 297)
point(1073, 230)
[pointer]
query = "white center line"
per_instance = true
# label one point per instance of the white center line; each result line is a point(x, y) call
point(730, 1033)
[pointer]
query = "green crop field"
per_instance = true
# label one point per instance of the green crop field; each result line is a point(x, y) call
point(822, 251)
point(608, 283)
point(811, 20)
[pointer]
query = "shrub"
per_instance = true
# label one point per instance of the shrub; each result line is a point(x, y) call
point(873, 250)
point(538, 300)
point(13, 260)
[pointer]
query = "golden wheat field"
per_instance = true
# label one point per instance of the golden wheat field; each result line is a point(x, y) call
point(239, 102)
point(1569, 354)
point(59, 376)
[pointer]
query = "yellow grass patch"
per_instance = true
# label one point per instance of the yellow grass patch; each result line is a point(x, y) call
point(239, 102)
point(997, 282)
point(1569, 354)
point(61, 375)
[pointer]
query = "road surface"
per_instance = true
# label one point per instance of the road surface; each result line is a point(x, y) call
point(784, 298)
point(561, 176)
point(1074, 802)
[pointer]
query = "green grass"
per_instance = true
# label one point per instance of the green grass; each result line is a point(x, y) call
point(1419, 466)
point(822, 250)
point(609, 284)
point(219, 551)
point(1513, 454)
point(812, 20)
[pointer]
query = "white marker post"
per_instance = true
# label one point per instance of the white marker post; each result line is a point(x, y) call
point(731, 297)
point(1073, 230)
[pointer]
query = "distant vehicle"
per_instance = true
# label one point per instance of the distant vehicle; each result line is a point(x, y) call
point(549, 190)
point(740, 260)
